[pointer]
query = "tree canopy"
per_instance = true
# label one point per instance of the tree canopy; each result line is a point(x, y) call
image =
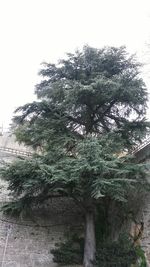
point(94, 91)
point(90, 110)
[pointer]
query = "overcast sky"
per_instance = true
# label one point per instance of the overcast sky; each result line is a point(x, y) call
point(33, 31)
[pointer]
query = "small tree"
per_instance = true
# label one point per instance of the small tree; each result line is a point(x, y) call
point(91, 110)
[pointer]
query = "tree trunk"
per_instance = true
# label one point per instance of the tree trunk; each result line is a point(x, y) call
point(90, 242)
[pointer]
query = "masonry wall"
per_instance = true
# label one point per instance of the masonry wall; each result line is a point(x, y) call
point(146, 234)
point(28, 240)
point(146, 220)
point(143, 155)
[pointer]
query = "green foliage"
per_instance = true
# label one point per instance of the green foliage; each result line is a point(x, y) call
point(141, 257)
point(121, 253)
point(90, 110)
point(92, 173)
point(69, 252)
point(28, 176)
point(15, 208)
point(94, 91)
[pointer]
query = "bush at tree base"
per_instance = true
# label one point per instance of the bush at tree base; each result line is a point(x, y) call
point(69, 252)
point(120, 253)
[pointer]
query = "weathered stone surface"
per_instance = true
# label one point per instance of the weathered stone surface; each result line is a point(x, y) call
point(29, 244)
point(144, 155)
point(146, 233)
point(28, 240)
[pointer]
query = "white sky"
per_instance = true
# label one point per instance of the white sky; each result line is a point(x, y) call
point(33, 31)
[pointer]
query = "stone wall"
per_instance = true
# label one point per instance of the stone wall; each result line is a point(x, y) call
point(143, 155)
point(146, 234)
point(28, 240)
point(146, 220)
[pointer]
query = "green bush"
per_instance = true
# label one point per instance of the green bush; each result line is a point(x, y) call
point(120, 253)
point(70, 251)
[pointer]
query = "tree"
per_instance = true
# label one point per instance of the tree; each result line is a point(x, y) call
point(91, 110)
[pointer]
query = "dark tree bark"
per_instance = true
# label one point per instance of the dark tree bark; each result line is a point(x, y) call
point(90, 241)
